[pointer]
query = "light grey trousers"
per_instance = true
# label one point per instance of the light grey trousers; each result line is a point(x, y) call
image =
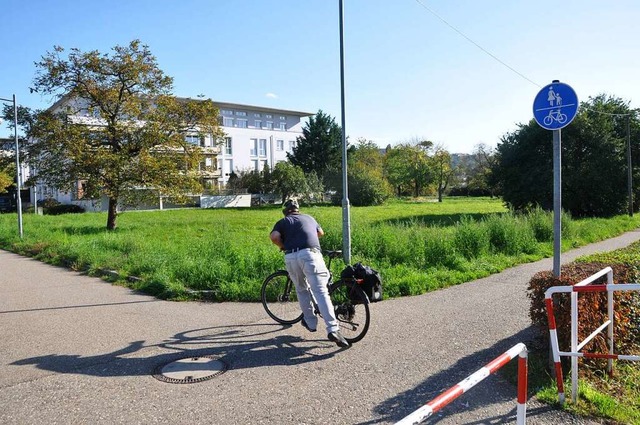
point(310, 275)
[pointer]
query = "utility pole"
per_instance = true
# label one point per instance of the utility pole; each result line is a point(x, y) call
point(18, 172)
point(346, 221)
point(629, 169)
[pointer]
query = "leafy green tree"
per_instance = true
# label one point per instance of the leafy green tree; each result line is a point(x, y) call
point(367, 184)
point(442, 172)
point(593, 161)
point(6, 179)
point(7, 162)
point(407, 167)
point(252, 181)
point(289, 180)
point(481, 172)
point(315, 188)
point(134, 136)
point(234, 182)
point(319, 148)
point(525, 167)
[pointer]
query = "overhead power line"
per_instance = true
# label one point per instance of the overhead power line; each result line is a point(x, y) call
point(476, 44)
point(444, 21)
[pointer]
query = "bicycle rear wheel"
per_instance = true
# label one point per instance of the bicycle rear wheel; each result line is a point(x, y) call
point(352, 310)
point(280, 299)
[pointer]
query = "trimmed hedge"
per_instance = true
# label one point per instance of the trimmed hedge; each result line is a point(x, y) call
point(63, 209)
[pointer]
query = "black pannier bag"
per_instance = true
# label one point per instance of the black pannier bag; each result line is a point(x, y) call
point(369, 279)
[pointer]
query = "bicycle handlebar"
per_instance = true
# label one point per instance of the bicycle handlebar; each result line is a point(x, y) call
point(332, 254)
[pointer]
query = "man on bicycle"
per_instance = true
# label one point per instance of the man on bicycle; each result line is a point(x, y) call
point(298, 236)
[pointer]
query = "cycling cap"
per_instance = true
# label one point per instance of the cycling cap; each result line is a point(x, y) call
point(290, 206)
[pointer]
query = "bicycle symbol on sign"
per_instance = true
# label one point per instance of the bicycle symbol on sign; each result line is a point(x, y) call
point(556, 115)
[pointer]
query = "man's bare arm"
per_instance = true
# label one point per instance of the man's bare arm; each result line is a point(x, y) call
point(276, 238)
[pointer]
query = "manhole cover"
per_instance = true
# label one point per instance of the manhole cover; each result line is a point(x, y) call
point(190, 370)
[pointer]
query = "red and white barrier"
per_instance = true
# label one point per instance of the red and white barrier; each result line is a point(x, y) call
point(574, 353)
point(463, 386)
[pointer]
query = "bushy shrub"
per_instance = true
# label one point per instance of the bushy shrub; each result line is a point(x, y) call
point(440, 251)
point(63, 209)
point(471, 238)
point(509, 234)
point(592, 307)
point(541, 223)
point(47, 203)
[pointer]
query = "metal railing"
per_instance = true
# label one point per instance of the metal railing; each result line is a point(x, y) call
point(519, 350)
point(576, 346)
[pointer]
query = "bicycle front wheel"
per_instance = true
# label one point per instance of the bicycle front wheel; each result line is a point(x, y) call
point(351, 306)
point(280, 299)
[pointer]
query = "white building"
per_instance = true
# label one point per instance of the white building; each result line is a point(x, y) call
point(256, 136)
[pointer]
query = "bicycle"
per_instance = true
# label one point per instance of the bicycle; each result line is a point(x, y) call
point(555, 116)
point(350, 303)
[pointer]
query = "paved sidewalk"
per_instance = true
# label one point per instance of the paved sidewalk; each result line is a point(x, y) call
point(78, 350)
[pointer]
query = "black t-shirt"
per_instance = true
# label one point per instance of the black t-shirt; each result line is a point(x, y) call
point(298, 231)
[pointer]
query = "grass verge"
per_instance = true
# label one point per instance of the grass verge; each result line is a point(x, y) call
point(418, 246)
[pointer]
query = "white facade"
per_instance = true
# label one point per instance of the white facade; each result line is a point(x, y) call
point(255, 136)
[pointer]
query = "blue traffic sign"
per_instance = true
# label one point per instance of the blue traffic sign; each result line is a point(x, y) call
point(555, 106)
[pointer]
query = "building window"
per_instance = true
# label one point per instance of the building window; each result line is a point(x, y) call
point(257, 115)
point(262, 151)
point(282, 126)
point(269, 125)
point(258, 124)
point(242, 123)
point(292, 144)
point(193, 139)
point(241, 113)
point(253, 147)
point(227, 146)
point(268, 116)
point(227, 112)
point(227, 122)
point(263, 164)
point(228, 167)
point(279, 145)
point(282, 117)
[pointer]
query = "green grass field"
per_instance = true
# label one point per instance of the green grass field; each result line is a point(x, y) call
point(417, 246)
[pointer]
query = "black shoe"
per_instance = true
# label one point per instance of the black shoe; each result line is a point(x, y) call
point(338, 339)
point(304, 325)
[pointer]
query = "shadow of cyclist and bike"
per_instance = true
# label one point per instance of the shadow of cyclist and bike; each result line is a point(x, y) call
point(239, 346)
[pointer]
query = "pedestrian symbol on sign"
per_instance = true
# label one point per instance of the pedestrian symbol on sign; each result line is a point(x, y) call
point(555, 106)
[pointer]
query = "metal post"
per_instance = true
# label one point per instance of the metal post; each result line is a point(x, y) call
point(611, 322)
point(557, 201)
point(346, 222)
point(629, 169)
point(18, 172)
point(574, 346)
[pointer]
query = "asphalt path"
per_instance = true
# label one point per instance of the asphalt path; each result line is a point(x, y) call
point(78, 350)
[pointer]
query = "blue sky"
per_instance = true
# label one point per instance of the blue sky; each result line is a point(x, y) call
point(408, 75)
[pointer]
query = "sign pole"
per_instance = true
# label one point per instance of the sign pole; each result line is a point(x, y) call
point(557, 201)
point(554, 107)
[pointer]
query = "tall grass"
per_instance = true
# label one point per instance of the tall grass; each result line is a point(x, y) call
point(418, 247)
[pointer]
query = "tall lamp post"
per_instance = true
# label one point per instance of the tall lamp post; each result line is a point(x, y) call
point(346, 219)
point(18, 173)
